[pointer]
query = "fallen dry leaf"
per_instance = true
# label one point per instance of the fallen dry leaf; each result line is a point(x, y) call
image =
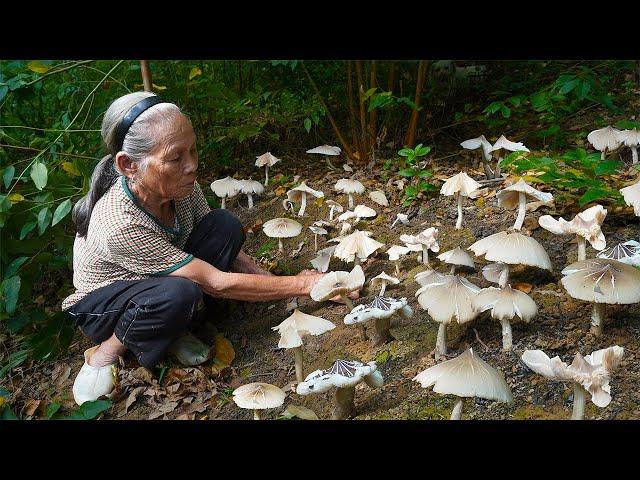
point(523, 287)
point(133, 396)
point(224, 350)
point(301, 412)
point(186, 416)
point(60, 374)
point(31, 406)
point(255, 227)
point(280, 191)
point(165, 408)
point(143, 375)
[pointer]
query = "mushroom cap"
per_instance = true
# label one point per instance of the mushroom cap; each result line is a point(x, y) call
point(449, 298)
point(336, 206)
point(586, 224)
point(505, 303)
point(383, 278)
point(347, 185)
point(357, 243)
point(601, 280)
point(427, 237)
point(379, 197)
point(380, 307)
point(323, 223)
point(457, 256)
point(626, 252)
point(337, 283)
point(226, 187)
point(298, 324)
point(460, 183)
point(342, 374)
point(251, 187)
point(362, 211)
point(509, 197)
point(395, 251)
point(512, 248)
point(402, 218)
point(474, 143)
point(325, 150)
point(630, 138)
point(605, 138)
point(295, 194)
point(631, 195)
point(428, 277)
point(258, 396)
point(503, 143)
point(318, 230)
point(492, 271)
point(281, 228)
point(266, 159)
point(467, 375)
point(593, 372)
point(322, 260)
point(348, 215)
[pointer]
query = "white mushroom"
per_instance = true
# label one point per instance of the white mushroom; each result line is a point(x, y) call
point(602, 281)
point(631, 195)
point(293, 328)
point(517, 195)
point(382, 280)
point(631, 139)
point(349, 187)
point(251, 188)
point(317, 231)
point(460, 185)
point(226, 188)
point(427, 239)
point(456, 257)
point(381, 309)
point(428, 277)
point(585, 225)
point(258, 396)
point(507, 145)
point(626, 252)
point(266, 160)
point(328, 151)
point(362, 211)
point(605, 140)
point(394, 252)
point(481, 142)
point(493, 272)
point(338, 283)
point(344, 375)
point(281, 228)
point(505, 304)
point(299, 194)
point(356, 247)
point(333, 206)
point(402, 218)
point(467, 375)
point(348, 215)
point(321, 262)
point(379, 197)
point(588, 374)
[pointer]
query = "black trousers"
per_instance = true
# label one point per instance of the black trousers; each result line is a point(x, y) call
point(147, 315)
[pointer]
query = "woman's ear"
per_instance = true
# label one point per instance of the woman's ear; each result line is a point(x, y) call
point(125, 165)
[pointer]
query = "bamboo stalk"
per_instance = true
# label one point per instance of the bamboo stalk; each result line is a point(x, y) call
point(413, 122)
point(146, 75)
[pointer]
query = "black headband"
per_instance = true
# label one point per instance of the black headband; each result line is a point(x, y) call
point(133, 113)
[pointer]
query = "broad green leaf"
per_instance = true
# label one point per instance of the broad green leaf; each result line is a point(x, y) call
point(8, 174)
point(63, 209)
point(195, 71)
point(568, 86)
point(607, 167)
point(52, 409)
point(44, 219)
point(307, 124)
point(71, 169)
point(39, 175)
point(38, 67)
point(407, 172)
point(11, 289)
point(14, 359)
point(425, 174)
point(593, 194)
point(14, 266)
point(26, 228)
point(5, 203)
point(405, 152)
point(3, 91)
point(506, 111)
point(89, 410)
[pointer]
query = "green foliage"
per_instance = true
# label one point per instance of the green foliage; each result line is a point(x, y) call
point(86, 411)
point(266, 248)
point(418, 176)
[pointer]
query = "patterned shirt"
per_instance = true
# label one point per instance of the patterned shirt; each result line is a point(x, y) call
point(126, 242)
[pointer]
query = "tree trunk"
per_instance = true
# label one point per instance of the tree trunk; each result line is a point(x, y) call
point(146, 75)
point(352, 112)
point(363, 116)
point(373, 114)
point(413, 122)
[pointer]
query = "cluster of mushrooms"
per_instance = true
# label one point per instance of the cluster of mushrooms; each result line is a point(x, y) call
point(447, 296)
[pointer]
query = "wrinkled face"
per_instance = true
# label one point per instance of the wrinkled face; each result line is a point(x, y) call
point(171, 171)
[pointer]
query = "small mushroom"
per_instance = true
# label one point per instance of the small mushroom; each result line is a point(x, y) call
point(226, 188)
point(344, 375)
point(456, 257)
point(602, 281)
point(467, 375)
point(428, 277)
point(427, 239)
point(362, 211)
point(349, 187)
point(382, 280)
point(517, 195)
point(327, 151)
point(505, 304)
point(251, 188)
point(502, 145)
point(356, 247)
point(266, 160)
point(402, 218)
point(258, 396)
point(605, 140)
point(338, 283)
point(333, 206)
point(631, 195)
point(590, 374)
point(496, 273)
point(631, 139)
point(381, 309)
point(321, 262)
point(348, 215)
point(345, 228)
point(293, 328)
point(447, 299)
point(585, 225)
point(460, 185)
point(299, 194)
point(379, 197)
point(394, 255)
point(317, 231)
point(475, 143)
point(281, 228)
point(626, 252)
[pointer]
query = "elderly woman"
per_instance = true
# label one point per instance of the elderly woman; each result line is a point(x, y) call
point(148, 248)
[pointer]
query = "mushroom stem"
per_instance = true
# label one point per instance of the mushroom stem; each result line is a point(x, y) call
point(487, 169)
point(224, 202)
point(459, 222)
point(456, 413)
point(280, 247)
point(504, 277)
point(453, 270)
point(596, 318)
point(350, 202)
point(303, 204)
point(344, 406)
point(329, 164)
point(522, 203)
point(266, 175)
point(250, 200)
point(441, 341)
point(315, 242)
point(634, 155)
point(347, 301)
point(256, 414)
point(297, 352)
point(425, 255)
point(582, 248)
point(578, 402)
point(382, 331)
point(397, 264)
point(384, 287)
point(603, 155)
point(506, 335)
point(356, 260)
point(331, 213)
point(496, 172)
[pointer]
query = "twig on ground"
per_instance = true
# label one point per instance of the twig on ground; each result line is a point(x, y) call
point(481, 342)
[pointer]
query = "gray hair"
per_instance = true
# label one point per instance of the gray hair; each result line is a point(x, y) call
point(140, 140)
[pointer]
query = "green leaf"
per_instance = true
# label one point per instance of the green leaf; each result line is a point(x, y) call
point(593, 194)
point(14, 359)
point(5, 203)
point(506, 111)
point(407, 172)
point(7, 414)
point(63, 209)
point(14, 266)
point(307, 124)
point(607, 167)
point(52, 409)
point(8, 175)
point(89, 410)
point(405, 152)
point(628, 125)
point(10, 290)
point(39, 175)
point(44, 219)
point(584, 89)
point(568, 86)
point(425, 174)
point(26, 228)
point(266, 247)
point(3, 91)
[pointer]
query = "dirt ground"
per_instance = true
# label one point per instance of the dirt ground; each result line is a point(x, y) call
point(561, 326)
